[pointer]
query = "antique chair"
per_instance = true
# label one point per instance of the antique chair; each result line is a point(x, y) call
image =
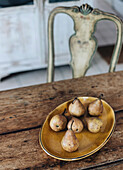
point(83, 43)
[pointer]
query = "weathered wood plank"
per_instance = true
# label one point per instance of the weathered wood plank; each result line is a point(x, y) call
point(28, 107)
point(112, 166)
point(22, 150)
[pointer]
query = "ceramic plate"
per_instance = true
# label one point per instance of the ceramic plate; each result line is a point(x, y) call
point(90, 143)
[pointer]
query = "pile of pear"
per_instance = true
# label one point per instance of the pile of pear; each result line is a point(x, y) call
point(74, 123)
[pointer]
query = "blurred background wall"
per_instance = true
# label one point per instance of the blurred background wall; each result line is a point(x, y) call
point(23, 32)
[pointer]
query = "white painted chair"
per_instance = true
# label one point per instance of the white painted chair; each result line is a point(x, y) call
point(83, 43)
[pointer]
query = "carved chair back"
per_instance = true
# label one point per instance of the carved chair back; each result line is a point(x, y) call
point(83, 43)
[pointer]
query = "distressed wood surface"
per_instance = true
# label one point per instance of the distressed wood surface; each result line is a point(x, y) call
point(23, 111)
point(114, 166)
point(28, 107)
point(22, 150)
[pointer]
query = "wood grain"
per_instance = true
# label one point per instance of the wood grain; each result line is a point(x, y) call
point(28, 107)
point(114, 166)
point(22, 150)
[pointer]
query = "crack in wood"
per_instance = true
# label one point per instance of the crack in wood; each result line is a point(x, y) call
point(120, 161)
point(21, 130)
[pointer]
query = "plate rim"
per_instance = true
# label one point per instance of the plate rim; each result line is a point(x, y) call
point(89, 153)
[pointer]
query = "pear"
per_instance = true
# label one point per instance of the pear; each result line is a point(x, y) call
point(58, 122)
point(76, 108)
point(70, 142)
point(94, 124)
point(95, 108)
point(77, 126)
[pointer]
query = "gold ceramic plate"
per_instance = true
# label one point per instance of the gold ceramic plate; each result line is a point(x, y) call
point(90, 143)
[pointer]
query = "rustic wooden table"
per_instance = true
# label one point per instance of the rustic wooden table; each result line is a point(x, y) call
point(23, 111)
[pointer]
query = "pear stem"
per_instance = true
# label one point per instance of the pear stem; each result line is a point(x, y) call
point(100, 96)
point(74, 100)
point(64, 111)
point(71, 125)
